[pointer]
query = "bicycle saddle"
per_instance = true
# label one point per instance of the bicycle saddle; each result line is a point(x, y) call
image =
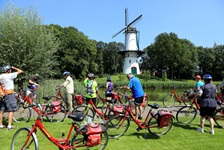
point(76, 117)
point(155, 106)
point(47, 98)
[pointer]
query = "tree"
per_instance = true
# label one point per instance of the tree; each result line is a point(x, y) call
point(25, 42)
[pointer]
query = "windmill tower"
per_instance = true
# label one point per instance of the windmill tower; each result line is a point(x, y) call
point(131, 52)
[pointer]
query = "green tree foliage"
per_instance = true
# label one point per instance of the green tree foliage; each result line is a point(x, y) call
point(169, 53)
point(25, 42)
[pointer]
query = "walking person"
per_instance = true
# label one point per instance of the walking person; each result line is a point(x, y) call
point(207, 103)
point(9, 104)
point(137, 92)
point(109, 88)
point(91, 88)
point(69, 86)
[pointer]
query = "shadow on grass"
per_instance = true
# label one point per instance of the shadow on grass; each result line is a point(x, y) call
point(145, 135)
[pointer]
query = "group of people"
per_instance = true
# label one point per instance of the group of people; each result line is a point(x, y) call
point(205, 91)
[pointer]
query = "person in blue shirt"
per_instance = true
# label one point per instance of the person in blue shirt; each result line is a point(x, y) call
point(199, 84)
point(137, 92)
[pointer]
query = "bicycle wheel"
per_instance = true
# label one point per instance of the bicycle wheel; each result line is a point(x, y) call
point(219, 117)
point(83, 109)
point(169, 100)
point(21, 140)
point(186, 114)
point(53, 115)
point(155, 129)
point(80, 142)
point(22, 114)
point(117, 126)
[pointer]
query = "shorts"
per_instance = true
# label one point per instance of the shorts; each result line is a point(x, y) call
point(29, 91)
point(9, 104)
point(93, 99)
point(138, 101)
point(207, 111)
point(109, 95)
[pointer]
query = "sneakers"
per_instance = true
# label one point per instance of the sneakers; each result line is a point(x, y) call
point(11, 128)
point(212, 132)
point(200, 130)
point(2, 127)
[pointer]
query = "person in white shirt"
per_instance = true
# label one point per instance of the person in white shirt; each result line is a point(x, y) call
point(69, 86)
point(8, 104)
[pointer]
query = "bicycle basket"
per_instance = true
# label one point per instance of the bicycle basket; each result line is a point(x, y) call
point(56, 106)
point(164, 118)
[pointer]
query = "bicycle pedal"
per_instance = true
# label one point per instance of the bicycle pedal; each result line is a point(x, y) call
point(138, 129)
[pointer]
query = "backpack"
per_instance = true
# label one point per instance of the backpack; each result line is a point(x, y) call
point(2, 91)
point(89, 87)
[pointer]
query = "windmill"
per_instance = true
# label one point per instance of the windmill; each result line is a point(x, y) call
point(131, 52)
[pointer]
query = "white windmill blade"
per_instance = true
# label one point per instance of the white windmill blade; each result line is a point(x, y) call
point(135, 21)
point(118, 32)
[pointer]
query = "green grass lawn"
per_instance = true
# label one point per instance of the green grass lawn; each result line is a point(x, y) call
point(183, 137)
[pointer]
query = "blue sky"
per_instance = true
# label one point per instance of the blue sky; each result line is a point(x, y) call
point(200, 21)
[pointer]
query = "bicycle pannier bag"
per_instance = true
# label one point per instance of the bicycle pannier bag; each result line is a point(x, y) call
point(56, 106)
point(115, 95)
point(164, 118)
point(118, 108)
point(89, 87)
point(144, 100)
point(78, 99)
point(2, 91)
point(94, 132)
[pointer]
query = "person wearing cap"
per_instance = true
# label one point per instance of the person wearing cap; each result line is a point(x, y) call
point(69, 86)
point(32, 86)
point(109, 88)
point(137, 92)
point(207, 103)
point(9, 104)
point(198, 84)
point(91, 88)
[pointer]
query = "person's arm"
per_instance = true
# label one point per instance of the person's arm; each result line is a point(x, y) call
point(64, 84)
point(31, 82)
point(19, 71)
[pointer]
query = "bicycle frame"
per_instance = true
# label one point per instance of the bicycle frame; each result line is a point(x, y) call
point(61, 143)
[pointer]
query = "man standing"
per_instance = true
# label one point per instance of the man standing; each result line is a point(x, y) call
point(9, 103)
point(69, 85)
point(137, 92)
point(207, 103)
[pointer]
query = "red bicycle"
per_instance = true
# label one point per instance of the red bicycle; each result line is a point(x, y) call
point(157, 123)
point(90, 135)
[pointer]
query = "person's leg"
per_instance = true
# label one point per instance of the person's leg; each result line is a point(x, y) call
point(140, 111)
point(11, 106)
point(10, 116)
point(202, 122)
point(1, 118)
point(136, 112)
point(69, 102)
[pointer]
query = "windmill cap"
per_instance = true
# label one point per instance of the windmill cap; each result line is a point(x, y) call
point(197, 77)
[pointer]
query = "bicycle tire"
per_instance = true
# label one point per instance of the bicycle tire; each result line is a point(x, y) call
point(82, 109)
point(186, 114)
point(219, 117)
point(54, 116)
point(155, 129)
point(169, 100)
point(20, 137)
point(117, 126)
point(23, 113)
point(79, 141)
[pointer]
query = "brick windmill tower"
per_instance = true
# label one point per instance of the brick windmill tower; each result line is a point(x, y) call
point(131, 52)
